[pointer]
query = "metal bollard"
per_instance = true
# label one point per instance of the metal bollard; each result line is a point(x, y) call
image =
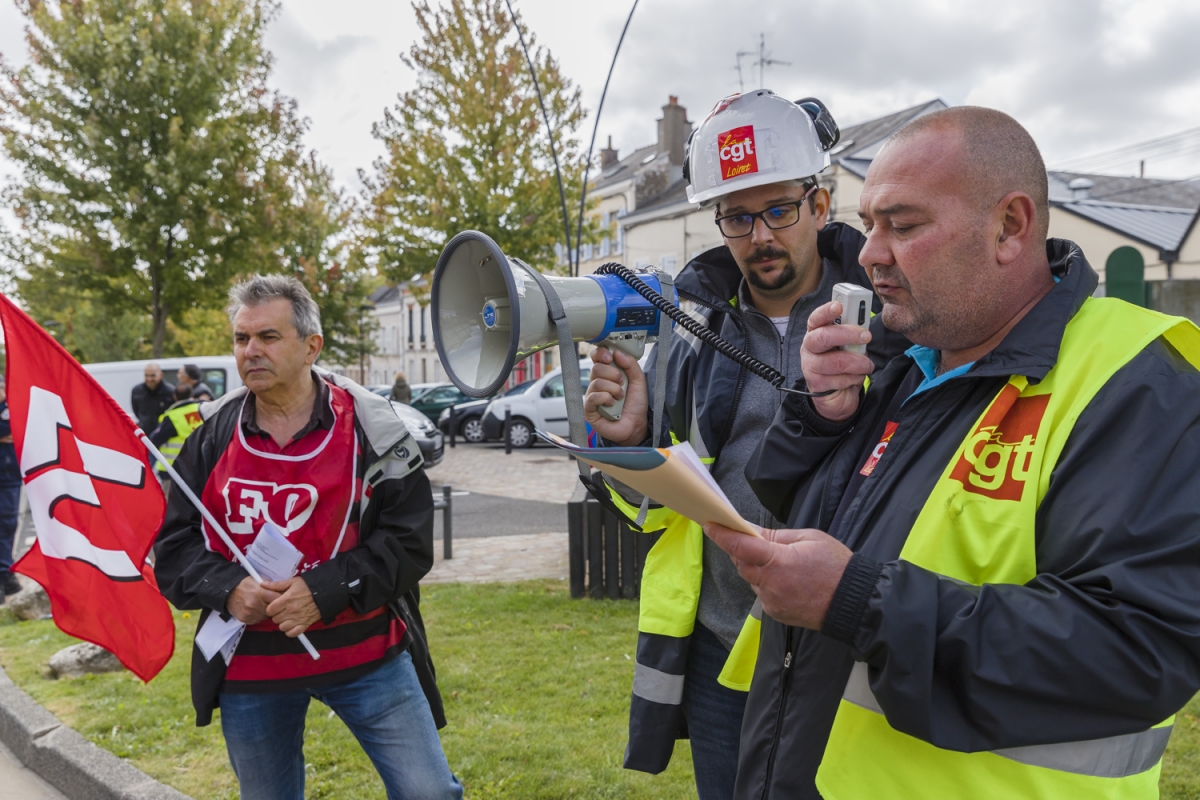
point(447, 531)
point(453, 424)
point(507, 430)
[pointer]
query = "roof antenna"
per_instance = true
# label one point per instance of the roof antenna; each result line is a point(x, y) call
point(765, 60)
point(549, 130)
point(595, 127)
point(740, 55)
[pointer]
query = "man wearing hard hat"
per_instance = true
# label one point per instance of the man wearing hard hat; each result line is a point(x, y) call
point(754, 160)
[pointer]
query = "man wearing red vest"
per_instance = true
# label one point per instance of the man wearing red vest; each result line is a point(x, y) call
point(332, 468)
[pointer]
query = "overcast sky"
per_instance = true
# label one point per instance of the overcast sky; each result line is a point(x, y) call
point(1082, 75)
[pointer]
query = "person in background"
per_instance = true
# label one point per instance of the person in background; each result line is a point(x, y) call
point(151, 398)
point(401, 393)
point(10, 497)
point(174, 426)
point(190, 375)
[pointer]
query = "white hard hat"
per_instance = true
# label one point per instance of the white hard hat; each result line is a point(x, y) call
point(754, 139)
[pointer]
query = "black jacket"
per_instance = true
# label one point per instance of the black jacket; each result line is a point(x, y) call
point(1104, 641)
point(395, 547)
point(147, 404)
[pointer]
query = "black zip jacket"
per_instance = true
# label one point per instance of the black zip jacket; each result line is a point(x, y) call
point(395, 547)
point(1104, 641)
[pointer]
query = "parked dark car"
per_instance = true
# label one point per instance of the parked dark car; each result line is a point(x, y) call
point(470, 415)
point(434, 401)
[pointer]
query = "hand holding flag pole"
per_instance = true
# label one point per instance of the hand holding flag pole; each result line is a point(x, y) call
point(216, 526)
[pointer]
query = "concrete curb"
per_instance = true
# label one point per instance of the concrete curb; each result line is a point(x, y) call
point(66, 760)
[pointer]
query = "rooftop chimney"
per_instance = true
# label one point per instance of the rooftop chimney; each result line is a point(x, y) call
point(1081, 188)
point(673, 130)
point(608, 156)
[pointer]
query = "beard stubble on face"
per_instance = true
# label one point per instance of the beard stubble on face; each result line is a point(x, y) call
point(948, 313)
point(783, 282)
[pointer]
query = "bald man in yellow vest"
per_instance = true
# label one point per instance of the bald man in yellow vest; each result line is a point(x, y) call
point(988, 584)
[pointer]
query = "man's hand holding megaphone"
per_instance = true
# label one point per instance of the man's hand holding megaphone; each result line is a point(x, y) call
point(605, 388)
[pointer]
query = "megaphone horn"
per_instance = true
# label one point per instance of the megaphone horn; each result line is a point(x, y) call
point(489, 312)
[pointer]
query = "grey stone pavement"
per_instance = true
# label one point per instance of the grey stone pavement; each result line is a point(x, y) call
point(17, 781)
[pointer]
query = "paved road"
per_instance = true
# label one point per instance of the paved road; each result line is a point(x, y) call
point(476, 515)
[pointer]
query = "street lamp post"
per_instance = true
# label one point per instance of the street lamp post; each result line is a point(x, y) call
point(362, 345)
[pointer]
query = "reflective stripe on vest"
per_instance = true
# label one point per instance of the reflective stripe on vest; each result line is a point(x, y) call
point(979, 526)
point(1113, 757)
point(185, 418)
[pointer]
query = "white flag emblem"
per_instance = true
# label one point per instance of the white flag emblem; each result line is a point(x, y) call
point(54, 483)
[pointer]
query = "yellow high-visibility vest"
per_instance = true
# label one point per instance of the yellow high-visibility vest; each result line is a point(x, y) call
point(979, 526)
point(185, 418)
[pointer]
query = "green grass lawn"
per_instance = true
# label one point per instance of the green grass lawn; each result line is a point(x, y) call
point(536, 688)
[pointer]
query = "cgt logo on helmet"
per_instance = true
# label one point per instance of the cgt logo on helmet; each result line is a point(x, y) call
point(736, 151)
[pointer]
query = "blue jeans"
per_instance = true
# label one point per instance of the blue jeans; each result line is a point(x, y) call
point(385, 710)
point(714, 717)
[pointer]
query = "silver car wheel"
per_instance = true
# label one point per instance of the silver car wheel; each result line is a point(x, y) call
point(520, 434)
point(472, 430)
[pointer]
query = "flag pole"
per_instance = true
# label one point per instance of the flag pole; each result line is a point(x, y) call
point(212, 521)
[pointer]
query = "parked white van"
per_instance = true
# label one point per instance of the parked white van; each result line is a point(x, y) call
point(119, 377)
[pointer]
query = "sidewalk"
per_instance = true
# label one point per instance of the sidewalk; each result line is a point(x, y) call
point(500, 559)
point(17, 781)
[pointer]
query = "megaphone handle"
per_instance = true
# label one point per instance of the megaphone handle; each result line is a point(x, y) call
point(612, 412)
point(634, 345)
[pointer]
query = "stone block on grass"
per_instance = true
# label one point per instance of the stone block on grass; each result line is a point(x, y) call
point(82, 659)
point(30, 603)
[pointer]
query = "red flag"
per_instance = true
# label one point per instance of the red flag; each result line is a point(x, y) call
point(96, 505)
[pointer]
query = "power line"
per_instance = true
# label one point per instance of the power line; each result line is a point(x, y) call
point(595, 127)
point(562, 196)
point(1157, 147)
point(1135, 189)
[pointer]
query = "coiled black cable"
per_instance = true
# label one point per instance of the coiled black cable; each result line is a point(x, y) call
point(704, 334)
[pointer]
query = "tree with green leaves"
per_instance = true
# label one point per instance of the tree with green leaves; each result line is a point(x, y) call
point(155, 163)
point(322, 253)
point(467, 147)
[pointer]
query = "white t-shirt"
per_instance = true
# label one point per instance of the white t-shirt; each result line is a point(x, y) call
point(781, 325)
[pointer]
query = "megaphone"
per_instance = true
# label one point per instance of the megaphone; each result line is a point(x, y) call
point(490, 311)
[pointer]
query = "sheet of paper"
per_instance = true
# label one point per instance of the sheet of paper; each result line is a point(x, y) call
point(688, 454)
point(217, 635)
point(674, 477)
point(276, 559)
point(273, 555)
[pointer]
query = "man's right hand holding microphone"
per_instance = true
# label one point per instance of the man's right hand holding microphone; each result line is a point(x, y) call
point(826, 366)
